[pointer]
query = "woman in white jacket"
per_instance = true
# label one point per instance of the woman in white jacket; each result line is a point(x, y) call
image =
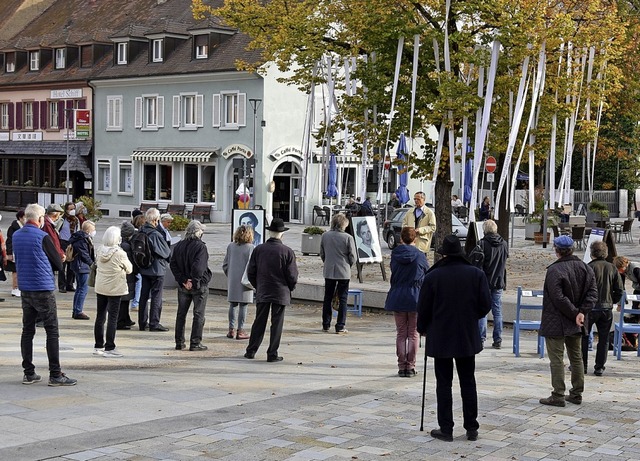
point(110, 286)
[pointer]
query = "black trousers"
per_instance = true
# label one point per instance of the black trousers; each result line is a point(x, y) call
point(199, 300)
point(260, 325)
point(40, 305)
point(151, 289)
point(602, 319)
point(465, 367)
point(330, 287)
point(66, 277)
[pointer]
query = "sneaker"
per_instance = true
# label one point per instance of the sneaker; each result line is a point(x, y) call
point(497, 345)
point(341, 332)
point(98, 351)
point(62, 380)
point(113, 353)
point(30, 379)
point(15, 292)
point(553, 401)
point(599, 371)
point(575, 399)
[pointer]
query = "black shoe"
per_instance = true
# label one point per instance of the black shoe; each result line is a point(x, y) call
point(599, 371)
point(249, 355)
point(275, 359)
point(575, 399)
point(402, 373)
point(144, 328)
point(62, 290)
point(198, 347)
point(80, 316)
point(472, 435)
point(181, 347)
point(497, 345)
point(131, 323)
point(71, 289)
point(438, 434)
point(123, 327)
point(159, 328)
point(553, 401)
point(410, 373)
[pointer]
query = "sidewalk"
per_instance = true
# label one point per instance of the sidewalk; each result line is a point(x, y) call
point(335, 397)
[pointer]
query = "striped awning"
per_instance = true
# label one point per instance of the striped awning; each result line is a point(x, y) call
point(156, 155)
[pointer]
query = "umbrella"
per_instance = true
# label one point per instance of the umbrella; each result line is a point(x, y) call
point(468, 180)
point(332, 190)
point(402, 193)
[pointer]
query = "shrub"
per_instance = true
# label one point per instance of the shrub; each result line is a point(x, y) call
point(179, 223)
point(313, 230)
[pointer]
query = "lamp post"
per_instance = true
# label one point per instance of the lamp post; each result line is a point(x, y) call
point(67, 112)
point(255, 104)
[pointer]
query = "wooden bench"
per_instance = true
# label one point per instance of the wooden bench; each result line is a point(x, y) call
point(201, 212)
point(176, 210)
point(145, 206)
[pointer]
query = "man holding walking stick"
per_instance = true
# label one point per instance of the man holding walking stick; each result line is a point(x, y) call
point(448, 317)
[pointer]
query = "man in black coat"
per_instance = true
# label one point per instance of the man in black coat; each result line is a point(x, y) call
point(272, 270)
point(448, 317)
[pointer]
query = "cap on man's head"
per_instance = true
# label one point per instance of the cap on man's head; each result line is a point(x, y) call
point(136, 212)
point(54, 208)
point(166, 217)
point(564, 241)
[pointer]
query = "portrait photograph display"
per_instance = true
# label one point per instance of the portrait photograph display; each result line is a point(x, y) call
point(253, 218)
point(365, 233)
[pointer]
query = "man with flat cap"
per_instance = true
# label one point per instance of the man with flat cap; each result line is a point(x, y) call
point(570, 292)
point(272, 270)
point(448, 317)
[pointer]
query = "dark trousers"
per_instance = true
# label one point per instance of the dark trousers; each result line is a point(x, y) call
point(151, 289)
point(602, 320)
point(66, 277)
point(465, 367)
point(260, 324)
point(185, 298)
point(107, 310)
point(40, 305)
point(124, 319)
point(330, 287)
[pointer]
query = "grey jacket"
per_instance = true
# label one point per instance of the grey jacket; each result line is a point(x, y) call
point(160, 250)
point(338, 252)
point(235, 262)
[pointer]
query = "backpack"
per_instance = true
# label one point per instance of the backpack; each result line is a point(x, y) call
point(69, 254)
point(141, 250)
point(476, 257)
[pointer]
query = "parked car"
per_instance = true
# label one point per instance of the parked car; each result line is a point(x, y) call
point(392, 227)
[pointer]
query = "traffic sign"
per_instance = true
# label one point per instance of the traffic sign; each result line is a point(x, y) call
point(490, 164)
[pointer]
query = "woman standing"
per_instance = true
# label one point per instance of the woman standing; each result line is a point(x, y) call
point(485, 209)
point(408, 269)
point(235, 262)
point(124, 319)
point(11, 265)
point(111, 285)
point(84, 256)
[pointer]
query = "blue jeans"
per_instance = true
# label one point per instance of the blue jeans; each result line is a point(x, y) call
point(241, 308)
point(82, 288)
point(136, 294)
point(496, 311)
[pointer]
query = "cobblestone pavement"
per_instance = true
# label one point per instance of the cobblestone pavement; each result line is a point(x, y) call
point(334, 397)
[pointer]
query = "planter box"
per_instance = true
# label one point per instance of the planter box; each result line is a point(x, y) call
point(310, 244)
point(530, 228)
point(537, 237)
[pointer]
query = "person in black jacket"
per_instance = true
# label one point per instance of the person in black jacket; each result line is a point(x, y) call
point(448, 317)
point(11, 266)
point(496, 252)
point(124, 318)
point(84, 256)
point(190, 266)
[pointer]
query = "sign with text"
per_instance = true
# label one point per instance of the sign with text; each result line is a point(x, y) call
point(28, 136)
point(82, 123)
point(69, 93)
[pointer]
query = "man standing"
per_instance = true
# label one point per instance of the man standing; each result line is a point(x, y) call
point(423, 220)
point(36, 257)
point(496, 252)
point(49, 226)
point(338, 253)
point(165, 222)
point(272, 270)
point(570, 292)
point(610, 290)
point(190, 267)
point(448, 317)
point(153, 276)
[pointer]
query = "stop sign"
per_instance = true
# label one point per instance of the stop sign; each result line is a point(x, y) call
point(490, 164)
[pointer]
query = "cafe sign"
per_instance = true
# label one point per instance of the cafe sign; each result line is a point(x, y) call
point(237, 149)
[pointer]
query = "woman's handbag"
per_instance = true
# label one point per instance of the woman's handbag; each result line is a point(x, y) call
point(92, 275)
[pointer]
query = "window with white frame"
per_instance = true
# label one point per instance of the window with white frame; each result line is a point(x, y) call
point(149, 112)
point(123, 48)
point(114, 113)
point(200, 183)
point(4, 116)
point(188, 111)
point(104, 176)
point(157, 50)
point(34, 60)
point(27, 108)
point(125, 177)
point(53, 115)
point(61, 58)
point(202, 46)
point(229, 110)
point(157, 182)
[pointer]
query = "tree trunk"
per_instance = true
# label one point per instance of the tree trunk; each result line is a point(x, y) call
point(442, 200)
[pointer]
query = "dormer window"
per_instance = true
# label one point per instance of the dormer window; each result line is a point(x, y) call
point(122, 52)
point(34, 60)
point(11, 62)
point(202, 46)
point(157, 50)
point(61, 58)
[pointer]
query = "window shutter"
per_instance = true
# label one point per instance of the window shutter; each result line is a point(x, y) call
point(138, 113)
point(11, 116)
point(176, 112)
point(199, 110)
point(160, 111)
point(43, 115)
point(118, 112)
point(242, 109)
point(216, 110)
point(111, 113)
point(19, 120)
point(36, 115)
point(61, 124)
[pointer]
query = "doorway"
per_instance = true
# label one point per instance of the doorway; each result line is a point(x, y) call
point(287, 200)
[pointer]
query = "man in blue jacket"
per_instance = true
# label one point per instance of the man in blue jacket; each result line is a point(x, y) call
point(36, 258)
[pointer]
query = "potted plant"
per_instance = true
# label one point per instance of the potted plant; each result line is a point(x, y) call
point(533, 222)
point(598, 213)
point(311, 238)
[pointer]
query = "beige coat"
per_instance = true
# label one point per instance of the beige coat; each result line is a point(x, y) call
point(113, 267)
point(425, 227)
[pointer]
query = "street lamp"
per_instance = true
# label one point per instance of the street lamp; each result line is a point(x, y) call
point(67, 112)
point(255, 104)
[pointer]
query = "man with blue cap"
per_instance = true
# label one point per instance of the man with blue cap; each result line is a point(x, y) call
point(570, 292)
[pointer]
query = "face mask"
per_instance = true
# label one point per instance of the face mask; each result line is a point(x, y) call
point(72, 212)
point(92, 233)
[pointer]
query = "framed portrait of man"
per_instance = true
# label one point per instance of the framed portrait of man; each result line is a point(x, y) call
point(253, 218)
point(365, 233)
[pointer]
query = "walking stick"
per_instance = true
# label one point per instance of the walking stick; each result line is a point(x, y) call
point(424, 389)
